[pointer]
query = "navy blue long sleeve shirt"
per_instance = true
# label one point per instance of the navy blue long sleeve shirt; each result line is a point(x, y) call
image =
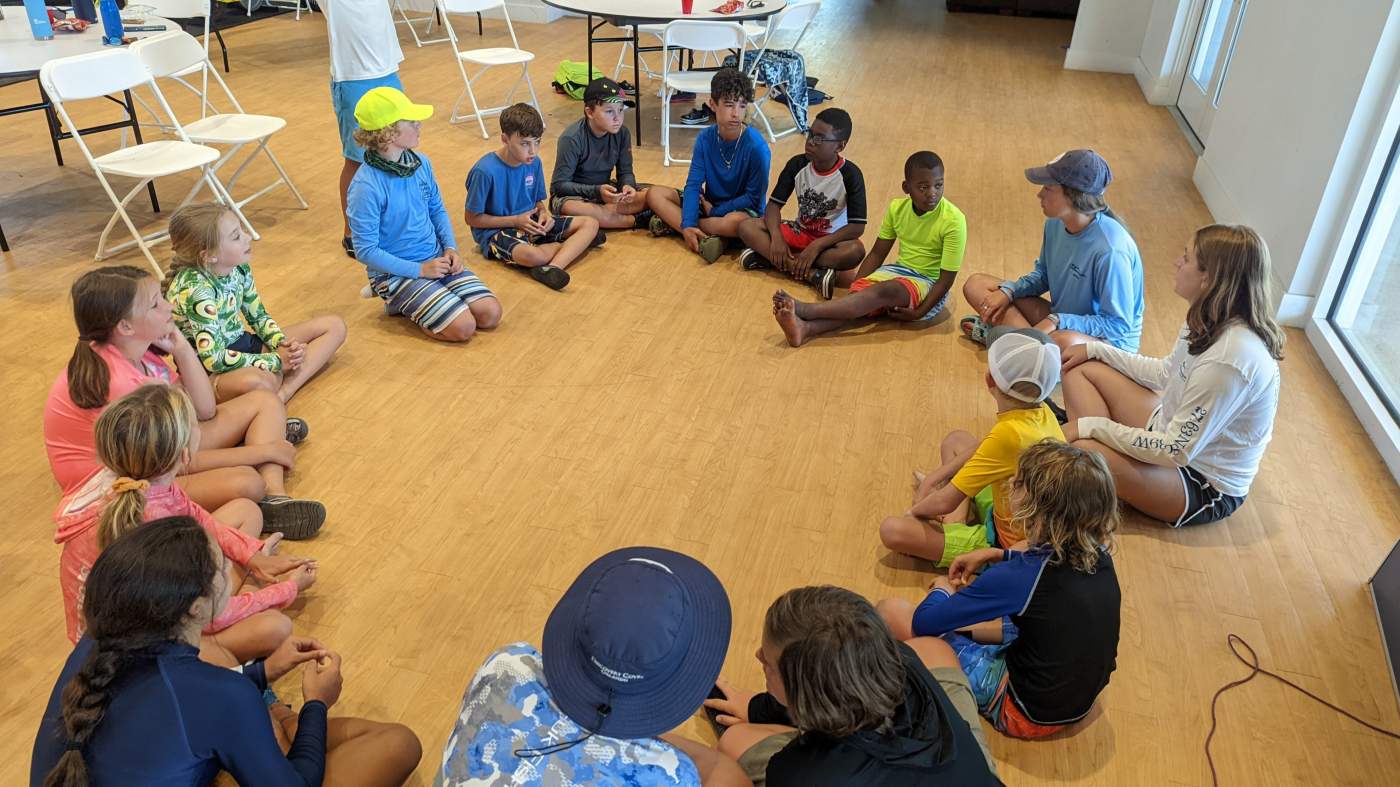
point(175, 720)
point(1067, 645)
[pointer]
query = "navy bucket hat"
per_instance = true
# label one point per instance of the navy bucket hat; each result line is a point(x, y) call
point(636, 642)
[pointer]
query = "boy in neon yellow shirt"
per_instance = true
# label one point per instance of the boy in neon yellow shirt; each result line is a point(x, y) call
point(932, 235)
point(1023, 368)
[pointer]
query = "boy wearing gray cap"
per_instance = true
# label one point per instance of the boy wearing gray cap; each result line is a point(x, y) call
point(1023, 367)
point(1089, 265)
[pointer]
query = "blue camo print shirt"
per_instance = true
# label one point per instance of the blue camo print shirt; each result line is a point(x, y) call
point(508, 707)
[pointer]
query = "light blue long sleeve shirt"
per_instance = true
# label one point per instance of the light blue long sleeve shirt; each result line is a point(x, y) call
point(1094, 279)
point(398, 223)
point(741, 184)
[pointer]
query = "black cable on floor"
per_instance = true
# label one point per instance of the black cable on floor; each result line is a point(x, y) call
point(1236, 642)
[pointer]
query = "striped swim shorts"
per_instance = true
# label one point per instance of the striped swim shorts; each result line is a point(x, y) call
point(431, 303)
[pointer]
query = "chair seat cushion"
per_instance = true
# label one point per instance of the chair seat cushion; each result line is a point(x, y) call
point(496, 56)
point(690, 81)
point(156, 159)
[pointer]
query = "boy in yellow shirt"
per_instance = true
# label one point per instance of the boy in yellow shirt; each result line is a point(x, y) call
point(932, 235)
point(1023, 367)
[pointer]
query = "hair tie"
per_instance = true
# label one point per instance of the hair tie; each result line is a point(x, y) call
point(125, 484)
point(72, 745)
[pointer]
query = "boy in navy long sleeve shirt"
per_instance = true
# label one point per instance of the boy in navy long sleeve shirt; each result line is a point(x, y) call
point(728, 179)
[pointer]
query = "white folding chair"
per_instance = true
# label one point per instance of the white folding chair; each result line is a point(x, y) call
point(487, 58)
point(752, 29)
point(797, 16)
point(97, 74)
point(175, 10)
point(172, 55)
point(285, 5)
point(701, 37)
point(431, 17)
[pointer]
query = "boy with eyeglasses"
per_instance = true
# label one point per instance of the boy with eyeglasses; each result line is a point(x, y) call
point(824, 238)
point(932, 235)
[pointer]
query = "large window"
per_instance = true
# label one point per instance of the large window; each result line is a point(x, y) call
point(1366, 310)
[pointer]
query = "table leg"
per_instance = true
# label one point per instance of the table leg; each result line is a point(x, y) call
point(637, 75)
point(52, 119)
point(136, 132)
point(589, 27)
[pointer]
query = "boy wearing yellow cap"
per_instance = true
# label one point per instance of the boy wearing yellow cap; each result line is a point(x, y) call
point(401, 230)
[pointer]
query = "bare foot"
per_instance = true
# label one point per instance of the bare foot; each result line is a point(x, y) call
point(918, 478)
point(785, 311)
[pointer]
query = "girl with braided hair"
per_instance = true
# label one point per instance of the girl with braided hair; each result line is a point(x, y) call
point(143, 439)
point(135, 705)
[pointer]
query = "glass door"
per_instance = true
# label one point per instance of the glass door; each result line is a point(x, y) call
point(1208, 64)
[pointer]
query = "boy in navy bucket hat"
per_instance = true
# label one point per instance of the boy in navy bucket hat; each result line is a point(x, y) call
point(1089, 266)
point(630, 652)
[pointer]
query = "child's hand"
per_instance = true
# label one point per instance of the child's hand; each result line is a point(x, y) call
point(435, 268)
point(625, 196)
point(994, 306)
point(904, 313)
point(281, 452)
point(304, 575)
point(293, 651)
point(608, 194)
point(778, 252)
point(803, 262)
point(734, 708)
point(454, 260)
point(527, 222)
point(266, 568)
point(1072, 357)
point(322, 680)
point(693, 236)
point(546, 222)
point(290, 359)
point(169, 342)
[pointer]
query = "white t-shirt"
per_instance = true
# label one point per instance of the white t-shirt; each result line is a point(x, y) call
point(364, 43)
point(1217, 411)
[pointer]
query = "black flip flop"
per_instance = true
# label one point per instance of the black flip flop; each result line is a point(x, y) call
point(550, 276)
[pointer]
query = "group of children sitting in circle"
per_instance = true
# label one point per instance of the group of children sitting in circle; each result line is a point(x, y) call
point(174, 498)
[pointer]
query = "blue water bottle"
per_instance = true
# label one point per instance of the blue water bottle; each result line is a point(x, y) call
point(112, 31)
point(83, 9)
point(38, 14)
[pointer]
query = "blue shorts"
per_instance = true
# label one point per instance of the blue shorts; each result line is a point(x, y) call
point(431, 303)
point(501, 245)
point(985, 665)
point(344, 96)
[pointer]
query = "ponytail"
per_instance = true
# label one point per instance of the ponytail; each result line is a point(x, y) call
point(1089, 204)
point(139, 437)
point(102, 298)
point(139, 595)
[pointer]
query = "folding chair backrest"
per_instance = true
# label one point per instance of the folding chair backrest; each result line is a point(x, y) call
point(704, 36)
point(797, 16)
point(474, 7)
point(169, 53)
point(93, 74)
point(470, 6)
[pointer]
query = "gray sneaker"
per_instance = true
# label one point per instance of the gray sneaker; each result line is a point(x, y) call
point(294, 519)
point(659, 228)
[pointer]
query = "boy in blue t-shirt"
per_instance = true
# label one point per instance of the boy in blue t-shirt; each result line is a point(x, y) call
point(728, 179)
point(506, 205)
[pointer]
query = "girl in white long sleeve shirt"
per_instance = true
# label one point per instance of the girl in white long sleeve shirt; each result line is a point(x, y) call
point(1185, 434)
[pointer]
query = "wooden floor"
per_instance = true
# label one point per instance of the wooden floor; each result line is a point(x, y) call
point(655, 402)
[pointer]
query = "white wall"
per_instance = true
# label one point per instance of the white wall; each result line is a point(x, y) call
point(1161, 60)
point(1108, 35)
point(1287, 103)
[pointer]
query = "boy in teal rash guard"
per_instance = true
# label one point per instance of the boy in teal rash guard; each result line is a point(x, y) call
point(728, 180)
point(1089, 265)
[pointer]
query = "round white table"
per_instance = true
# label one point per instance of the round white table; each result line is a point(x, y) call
point(628, 14)
point(21, 57)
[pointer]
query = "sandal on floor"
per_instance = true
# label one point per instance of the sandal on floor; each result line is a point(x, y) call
point(297, 430)
point(973, 328)
point(294, 519)
point(711, 247)
point(550, 276)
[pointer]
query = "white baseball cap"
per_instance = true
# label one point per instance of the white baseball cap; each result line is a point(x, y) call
point(1023, 355)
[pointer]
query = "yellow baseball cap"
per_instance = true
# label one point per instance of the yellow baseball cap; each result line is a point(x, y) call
point(384, 106)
